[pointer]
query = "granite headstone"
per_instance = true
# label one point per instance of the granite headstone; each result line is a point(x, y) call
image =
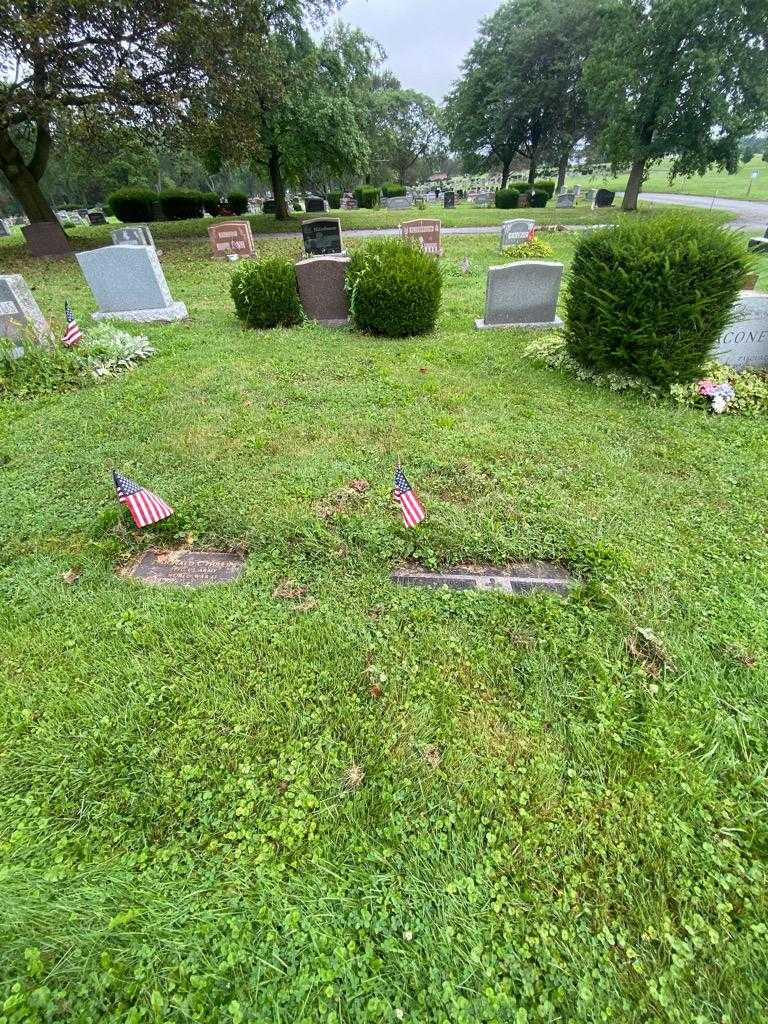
point(4, 232)
point(523, 295)
point(269, 206)
point(449, 200)
point(128, 284)
point(321, 289)
point(97, 217)
point(564, 201)
point(426, 232)
point(517, 232)
point(604, 198)
point(314, 204)
point(231, 237)
point(133, 234)
point(745, 342)
point(322, 236)
point(18, 310)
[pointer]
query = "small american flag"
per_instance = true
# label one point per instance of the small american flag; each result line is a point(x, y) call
point(145, 507)
point(72, 334)
point(412, 509)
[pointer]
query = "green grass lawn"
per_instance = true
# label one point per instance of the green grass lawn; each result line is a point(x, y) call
point(364, 803)
point(713, 183)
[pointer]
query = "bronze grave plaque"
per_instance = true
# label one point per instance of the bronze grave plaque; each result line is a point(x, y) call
point(186, 568)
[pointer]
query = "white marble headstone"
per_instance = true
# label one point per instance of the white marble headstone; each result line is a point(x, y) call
point(18, 309)
point(133, 234)
point(4, 232)
point(522, 294)
point(128, 284)
point(745, 343)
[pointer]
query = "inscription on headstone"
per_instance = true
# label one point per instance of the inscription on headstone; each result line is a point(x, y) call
point(425, 232)
point(186, 568)
point(517, 232)
point(231, 237)
point(745, 342)
point(322, 236)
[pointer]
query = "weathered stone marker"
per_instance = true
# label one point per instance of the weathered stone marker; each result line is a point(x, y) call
point(128, 284)
point(521, 578)
point(133, 234)
point(186, 568)
point(18, 309)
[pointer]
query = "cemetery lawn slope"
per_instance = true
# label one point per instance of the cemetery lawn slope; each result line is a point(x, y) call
point(713, 183)
point(312, 796)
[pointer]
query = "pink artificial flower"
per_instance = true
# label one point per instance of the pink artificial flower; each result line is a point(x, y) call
point(706, 387)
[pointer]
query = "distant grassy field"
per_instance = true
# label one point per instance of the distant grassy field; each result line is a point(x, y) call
point(731, 186)
point(311, 797)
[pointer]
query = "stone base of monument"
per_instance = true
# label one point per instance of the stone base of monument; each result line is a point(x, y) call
point(519, 578)
point(166, 315)
point(758, 244)
point(481, 325)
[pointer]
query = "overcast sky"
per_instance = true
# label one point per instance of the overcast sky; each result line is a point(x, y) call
point(425, 40)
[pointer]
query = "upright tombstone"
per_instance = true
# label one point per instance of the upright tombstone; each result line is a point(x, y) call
point(83, 212)
point(4, 231)
point(314, 204)
point(97, 217)
point(484, 199)
point(46, 240)
point(759, 243)
point(231, 238)
point(522, 295)
point(269, 206)
point(426, 232)
point(321, 289)
point(590, 195)
point(604, 198)
point(745, 342)
point(133, 234)
point(128, 283)
point(449, 200)
point(565, 202)
point(322, 236)
point(517, 232)
point(398, 203)
point(523, 201)
point(18, 310)
point(431, 196)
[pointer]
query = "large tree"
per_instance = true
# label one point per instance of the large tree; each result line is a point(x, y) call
point(410, 129)
point(679, 78)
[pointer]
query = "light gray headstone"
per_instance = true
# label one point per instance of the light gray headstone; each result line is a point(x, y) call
point(590, 195)
point(515, 232)
point(745, 342)
point(522, 294)
point(564, 202)
point(398, 203)
point(4, 231)
point(133, 234)
point(128, 284)
point(18, 309)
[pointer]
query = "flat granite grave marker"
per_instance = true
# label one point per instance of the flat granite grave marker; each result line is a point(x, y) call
point(46, 240)
point(185, 568)
point(523, 295)
point(745, 342)
point(18, 309)
point(521, 578)
point(517, 232)
point(231, 237)
point(426, 232)
point(321, 289)
point(133, 234)
point(128, 284)
point(322, 236)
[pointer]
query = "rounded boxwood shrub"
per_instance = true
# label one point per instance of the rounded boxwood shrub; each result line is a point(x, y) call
point(334, 200)
point(538, 198)
point(265, 293)
point(237, 202)
point(650, 298)
point(394, 289)
point(132, 204)
point(367, 196)
point(391, 190)
point(545, 185)
point(506, 198)
point(181, 203)
point(211, 203)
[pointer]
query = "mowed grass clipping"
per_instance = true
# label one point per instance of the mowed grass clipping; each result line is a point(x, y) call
point(313, 796)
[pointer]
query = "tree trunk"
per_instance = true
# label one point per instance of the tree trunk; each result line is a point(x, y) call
point(562, 170)
point(532, 168)
point(636, 179)
point(23, 183)
point(278, 185)
point(505, 173)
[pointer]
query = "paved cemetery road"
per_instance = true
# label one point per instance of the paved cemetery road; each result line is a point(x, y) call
point(747, 213)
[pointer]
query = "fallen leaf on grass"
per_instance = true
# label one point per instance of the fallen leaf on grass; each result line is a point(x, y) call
point(375, 691)
point(645, 647)
point(289, 591)
point(353, 777)
point(432, 756)
point(72, 575)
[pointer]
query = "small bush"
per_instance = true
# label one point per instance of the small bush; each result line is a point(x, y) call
point(390, 190)
point(237, 202)
point(650, 298)
point(545, 185)
point(506, 198)
point(181, 203)
point(211, 203)
point(265, 293)
point(536, 249)
point(394, 289)
point(334, 200)
point(367, 196)
point(131, 205)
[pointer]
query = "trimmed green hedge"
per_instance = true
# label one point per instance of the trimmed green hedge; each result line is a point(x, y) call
point(546, 185)
point(237, 202)
point(391, 190)
point(506, 198)
point(650, 298)
point(334, 200)
point(211, 203)
point(132, 205)
point(367, 196)
point(265, 293)
point(394, 289)
point(181, 203)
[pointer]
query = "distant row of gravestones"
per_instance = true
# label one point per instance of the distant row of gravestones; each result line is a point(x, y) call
point(599, 198)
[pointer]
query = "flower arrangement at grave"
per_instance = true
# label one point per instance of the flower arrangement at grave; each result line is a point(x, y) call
point(535, 249)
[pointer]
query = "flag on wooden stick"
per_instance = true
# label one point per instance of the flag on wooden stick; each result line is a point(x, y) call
point(411, 507)
point(144, 506)
point(73, 334)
